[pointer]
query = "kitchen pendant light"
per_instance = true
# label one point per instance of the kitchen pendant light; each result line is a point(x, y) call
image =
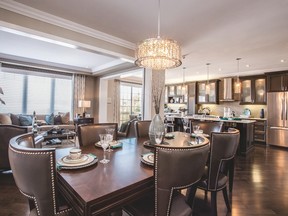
point(158, 53)
point(207, 86)
point(183, 89)
point(237, 89)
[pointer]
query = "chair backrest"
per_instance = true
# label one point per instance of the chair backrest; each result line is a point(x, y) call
point(178, 124)
point(142, 129)
point(6, 133)
point(176, 168)
point(34, 173)
point(223, 148)
point(130, 131)
point(209, 126)
point(89, 134)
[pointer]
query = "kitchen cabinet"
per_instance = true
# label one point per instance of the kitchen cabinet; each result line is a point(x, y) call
point(175, 94)
point(212, 98)
point(253, 90)
point(277, 82)
point(191, 95)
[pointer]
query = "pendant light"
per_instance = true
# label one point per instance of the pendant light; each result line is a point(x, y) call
point(158, 53)
point(183, 89)
point(237, 89)
point(207, 86)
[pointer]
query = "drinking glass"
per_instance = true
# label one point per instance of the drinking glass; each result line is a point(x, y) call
point(110, 132)
point(104, 144)
point(196, 131)
point(158, 137)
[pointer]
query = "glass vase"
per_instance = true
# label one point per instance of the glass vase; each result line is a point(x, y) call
point(157, 125)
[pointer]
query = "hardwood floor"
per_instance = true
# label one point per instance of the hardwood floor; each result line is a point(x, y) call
point(260, 188)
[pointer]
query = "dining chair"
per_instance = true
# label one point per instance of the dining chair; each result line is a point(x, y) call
point(169, 123)
point(223, 149)
point(175, 169)
point(129, 131)
point(142, 129)
point(208, 126)
point(89, 134)
point(6, 133)
point(35, 175)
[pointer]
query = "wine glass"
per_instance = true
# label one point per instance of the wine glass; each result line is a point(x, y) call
point(158, 137)
point(196, 131)
point(104, 144)
point(110, 132)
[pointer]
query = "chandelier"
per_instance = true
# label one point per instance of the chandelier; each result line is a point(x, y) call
point(158, 53)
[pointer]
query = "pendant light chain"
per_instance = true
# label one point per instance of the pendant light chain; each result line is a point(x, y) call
point(208, 73)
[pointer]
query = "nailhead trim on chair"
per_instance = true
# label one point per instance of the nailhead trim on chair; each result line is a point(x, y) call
point(52, 178)
point(156, 174)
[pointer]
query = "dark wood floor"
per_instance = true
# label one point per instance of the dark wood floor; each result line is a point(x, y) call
point(260, 188)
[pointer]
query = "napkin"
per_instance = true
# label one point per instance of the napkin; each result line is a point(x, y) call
point(119, 145)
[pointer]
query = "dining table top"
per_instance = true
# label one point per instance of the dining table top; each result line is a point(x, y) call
point(102, 188)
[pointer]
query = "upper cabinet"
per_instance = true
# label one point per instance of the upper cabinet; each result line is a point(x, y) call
point(277, 82)
point(176, 94)
point(253, 90)
point(212, 97)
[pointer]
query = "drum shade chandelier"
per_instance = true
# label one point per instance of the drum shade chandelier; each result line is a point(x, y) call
point(158, 53)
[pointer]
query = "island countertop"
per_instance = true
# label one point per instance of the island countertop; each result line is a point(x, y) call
point(242, 121)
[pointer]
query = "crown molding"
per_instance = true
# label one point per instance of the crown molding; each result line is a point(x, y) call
point(54, 20)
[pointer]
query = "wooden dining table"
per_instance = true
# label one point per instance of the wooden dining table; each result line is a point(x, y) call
point(102, 188)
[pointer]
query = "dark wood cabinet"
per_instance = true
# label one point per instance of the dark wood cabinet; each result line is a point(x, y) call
point(277, 82)
point(212, 98)
point(176, 94)
point(253, 90)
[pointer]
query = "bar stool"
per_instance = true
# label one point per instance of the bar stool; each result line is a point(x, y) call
point(169, 123)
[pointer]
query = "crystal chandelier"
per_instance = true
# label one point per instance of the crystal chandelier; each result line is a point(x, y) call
point(158, 53)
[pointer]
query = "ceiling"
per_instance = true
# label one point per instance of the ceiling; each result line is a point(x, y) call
point(216, 31)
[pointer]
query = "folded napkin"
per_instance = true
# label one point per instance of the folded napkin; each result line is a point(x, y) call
point(118, 145)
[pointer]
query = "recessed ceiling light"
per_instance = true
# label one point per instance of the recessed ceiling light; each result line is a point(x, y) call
point(197, 72)
point(248, 65)
point(282, 60)
point(220, 69)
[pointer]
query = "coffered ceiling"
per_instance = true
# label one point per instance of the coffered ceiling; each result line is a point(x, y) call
point(217, 32)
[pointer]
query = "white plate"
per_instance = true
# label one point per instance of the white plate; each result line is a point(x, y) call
point(113, 143)
point(169, 136)
point(148, 158)
point(200, 134)
point(68, 160)
point(90, 159)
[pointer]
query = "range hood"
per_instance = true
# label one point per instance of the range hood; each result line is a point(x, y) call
point(228, 90)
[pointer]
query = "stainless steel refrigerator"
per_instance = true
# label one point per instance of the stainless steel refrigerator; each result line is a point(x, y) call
point(277, 120)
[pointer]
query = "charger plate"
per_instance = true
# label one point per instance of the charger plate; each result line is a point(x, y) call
point(114, 144)
point(148, 159)
point(91, 159)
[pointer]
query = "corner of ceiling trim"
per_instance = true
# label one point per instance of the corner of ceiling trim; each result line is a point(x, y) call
point(54, 20)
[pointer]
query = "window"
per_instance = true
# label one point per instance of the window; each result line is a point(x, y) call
point(44, 93)
point(130, 101)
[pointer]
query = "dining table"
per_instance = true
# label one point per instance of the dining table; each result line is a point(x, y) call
point(100, 189)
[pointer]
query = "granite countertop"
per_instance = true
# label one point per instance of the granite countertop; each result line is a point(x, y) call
point(242, 121)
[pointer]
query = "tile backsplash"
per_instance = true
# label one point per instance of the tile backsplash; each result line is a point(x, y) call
point(218, 109)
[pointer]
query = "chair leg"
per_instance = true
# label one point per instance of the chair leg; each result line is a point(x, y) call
point(191, 195)
point(231, 175)
point(214, 203)
point(225, 195)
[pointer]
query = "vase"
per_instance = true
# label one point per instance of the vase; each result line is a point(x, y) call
point(157, 125)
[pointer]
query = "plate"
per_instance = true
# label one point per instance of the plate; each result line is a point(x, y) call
point(68, 160)
point(89, 160)
point(169, 136)
point(114, 144)
point(148, 158)
point(202, 134)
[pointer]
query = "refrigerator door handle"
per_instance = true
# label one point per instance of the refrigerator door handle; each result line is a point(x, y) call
point(282, 108)
point(278, 128)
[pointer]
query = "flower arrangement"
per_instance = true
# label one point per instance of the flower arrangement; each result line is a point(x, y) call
point(157, 92)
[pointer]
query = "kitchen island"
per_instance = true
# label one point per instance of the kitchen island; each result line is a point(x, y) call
point(245, 126)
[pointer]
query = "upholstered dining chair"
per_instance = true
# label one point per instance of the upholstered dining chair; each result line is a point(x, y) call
point(89, 134)
point(35, 175)
point(129, 131)
point(223, 149)
point(6, 133)
point(142, 129)
point(175, 169)
point(208, 126)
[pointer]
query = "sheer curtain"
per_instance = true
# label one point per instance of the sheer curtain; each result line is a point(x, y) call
point(116, 102)
point(79, 92)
